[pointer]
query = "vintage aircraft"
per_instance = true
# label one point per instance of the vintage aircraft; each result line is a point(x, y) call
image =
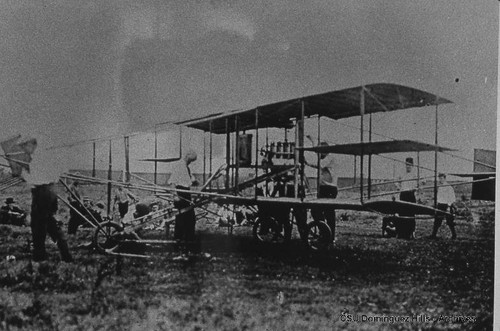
point(357, 101)
point(242, 152)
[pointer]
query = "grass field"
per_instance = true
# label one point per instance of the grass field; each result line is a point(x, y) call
point(233, 283)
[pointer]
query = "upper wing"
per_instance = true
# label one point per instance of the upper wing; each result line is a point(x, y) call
point(335, 104)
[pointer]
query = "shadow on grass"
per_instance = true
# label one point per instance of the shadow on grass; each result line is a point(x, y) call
point(359, 259)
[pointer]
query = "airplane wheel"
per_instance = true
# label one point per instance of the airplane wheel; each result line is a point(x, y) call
point(107, 236)
point(269, 230)
point(319, 236)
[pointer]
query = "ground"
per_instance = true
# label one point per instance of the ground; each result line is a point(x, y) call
point(233, 283)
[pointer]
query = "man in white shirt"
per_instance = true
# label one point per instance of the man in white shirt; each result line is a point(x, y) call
point(327, 189)
point(122, 196)
point(182, 179)
point(408, 182)
point(407, 186)
point(445, 202)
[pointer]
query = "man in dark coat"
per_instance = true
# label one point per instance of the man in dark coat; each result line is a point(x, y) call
point(43, 222)
point(182, 179)
point(12, 214)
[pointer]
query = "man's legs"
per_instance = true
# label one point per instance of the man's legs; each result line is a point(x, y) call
point(189, 229)
point(412, 227)
point(450, 221)
point(74, 221)
point(407, 224)
point(185, 220)
point(301, 219)
point(438, 220)
point(57, 235)
point(329, 213)
point(179, 223)
point(38, 232)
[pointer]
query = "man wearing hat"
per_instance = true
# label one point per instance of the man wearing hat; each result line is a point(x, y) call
point(12, 214)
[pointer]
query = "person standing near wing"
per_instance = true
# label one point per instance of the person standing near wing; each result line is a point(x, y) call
point(41, 174)
point(182, 179)
point(327, 188)
point(122, 196)
point(407, 186)
point(445, 202)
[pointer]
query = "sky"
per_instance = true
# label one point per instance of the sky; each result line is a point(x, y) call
point(77, 70)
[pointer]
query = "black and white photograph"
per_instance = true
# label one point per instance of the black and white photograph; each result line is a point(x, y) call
point(248, 165)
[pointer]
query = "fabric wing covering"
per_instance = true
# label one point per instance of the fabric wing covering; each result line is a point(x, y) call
point(379, 147)
point(336, 105)
point(18, 153)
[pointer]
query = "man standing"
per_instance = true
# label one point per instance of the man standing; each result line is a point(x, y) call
point(42, 174)
point(182, 179)
point(327, 189)
point(445, 200)
point(43, 208)
point(407, 185)
point(122, 196)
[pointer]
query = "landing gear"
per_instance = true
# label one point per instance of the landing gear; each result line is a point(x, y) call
point(269, 230)
point(107, 236)
point(319, 236)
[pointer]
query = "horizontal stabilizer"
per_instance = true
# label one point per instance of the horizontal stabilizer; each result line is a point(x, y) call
point(164, 160)
point(475, 174)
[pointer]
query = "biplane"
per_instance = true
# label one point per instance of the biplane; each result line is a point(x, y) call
point(247, 148)
point(291, 114)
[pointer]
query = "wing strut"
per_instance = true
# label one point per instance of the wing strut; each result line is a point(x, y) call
point(435, 159)
point(256, 149)
point(362, 113)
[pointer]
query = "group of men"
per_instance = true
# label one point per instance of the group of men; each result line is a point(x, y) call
point(404, 225)
point(44, 205)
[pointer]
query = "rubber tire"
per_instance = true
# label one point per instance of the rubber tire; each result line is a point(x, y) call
point(319, 236)
point(110, 232)
point(271, 236)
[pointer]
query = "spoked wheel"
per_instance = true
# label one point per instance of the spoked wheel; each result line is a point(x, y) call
point(319, 236)
point(269, 230)
point(107, 236)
